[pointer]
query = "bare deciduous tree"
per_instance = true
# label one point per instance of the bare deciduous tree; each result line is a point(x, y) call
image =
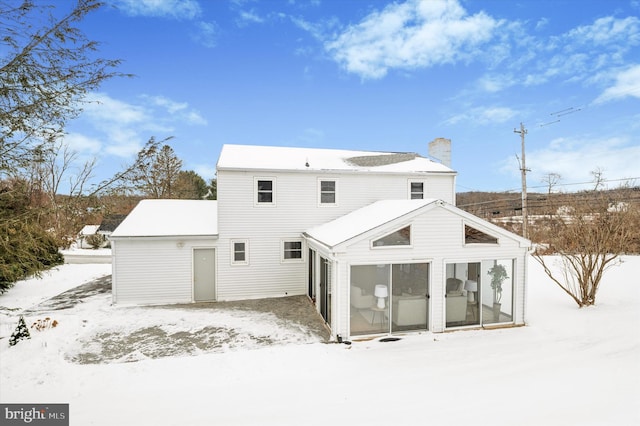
point(551, 179)
point(598, 178)
point(588, 240)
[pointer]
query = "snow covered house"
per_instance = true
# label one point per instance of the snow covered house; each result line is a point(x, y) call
point(86, 231)
point(373, 238)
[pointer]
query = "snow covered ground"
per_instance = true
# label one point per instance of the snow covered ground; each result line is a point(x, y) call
point(568, 366)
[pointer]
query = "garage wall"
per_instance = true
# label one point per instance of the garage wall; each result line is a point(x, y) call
point(154, 271)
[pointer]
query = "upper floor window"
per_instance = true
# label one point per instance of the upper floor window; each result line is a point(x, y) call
point(328, 191)
point(416, 190)
point(401, 237)
point(291, 250)
point(265, 190)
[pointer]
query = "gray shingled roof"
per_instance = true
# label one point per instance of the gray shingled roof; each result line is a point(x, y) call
point(381, 160)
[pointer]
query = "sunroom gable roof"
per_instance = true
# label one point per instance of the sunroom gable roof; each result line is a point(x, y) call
point(363, 220)
point(383, 212)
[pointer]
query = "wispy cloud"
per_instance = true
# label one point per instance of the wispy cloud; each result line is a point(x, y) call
point(415, 34)
point(247, 17)
point(124, 127)
point(574, 158)
point(176, 9)
point(627, 84)
point(202, 32)
point(483, 116)
point(206, 33)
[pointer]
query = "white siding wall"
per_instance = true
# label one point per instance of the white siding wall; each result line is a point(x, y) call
point(437, 237)
point(150, 271)
point(296, 209)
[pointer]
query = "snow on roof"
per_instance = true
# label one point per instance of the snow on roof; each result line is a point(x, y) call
point(160, 218)
point(365, 219)
point(89, 230)
point(246, 157)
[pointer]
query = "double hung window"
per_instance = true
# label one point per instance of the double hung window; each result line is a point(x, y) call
point(265, 191)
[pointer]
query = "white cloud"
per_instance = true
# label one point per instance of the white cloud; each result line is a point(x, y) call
point(249, 17)
point(206, 34)
point(177, 9)
point(496, 82)
point(101, 107)
point(81, 143)
point(608, 31)
point(483, 116)
point(168, 104)
point(627, 83)
point(415, 34)
point(575, 158)
point(542, 23)
point(122, 127)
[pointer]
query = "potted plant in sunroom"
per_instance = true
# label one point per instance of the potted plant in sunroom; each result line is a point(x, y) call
point(498, 275)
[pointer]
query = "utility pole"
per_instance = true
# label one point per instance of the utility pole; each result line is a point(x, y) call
point(523, 170)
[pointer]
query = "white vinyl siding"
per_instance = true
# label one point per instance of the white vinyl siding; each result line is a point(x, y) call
point(152, 271)
point(296, 211)
point(434, 241)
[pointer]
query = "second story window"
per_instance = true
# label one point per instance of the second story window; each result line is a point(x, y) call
point(416, 190)
point(327, 192)
point(265, 191)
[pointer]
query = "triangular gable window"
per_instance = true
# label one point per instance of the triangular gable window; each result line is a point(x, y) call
point(475, 236)
point(401, 237)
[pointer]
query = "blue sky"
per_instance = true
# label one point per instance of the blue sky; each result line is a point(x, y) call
point(374, 75)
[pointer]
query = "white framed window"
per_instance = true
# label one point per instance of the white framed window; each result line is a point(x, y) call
point(292, 251)
point(399, 238)
point(239, 252)
point(265, 191)
point(475, 236)
point(327, 192)
point(416, 190)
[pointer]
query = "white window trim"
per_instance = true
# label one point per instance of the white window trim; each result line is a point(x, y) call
point(292, 240)
point(424, 186)
point(464, 239)
point(320, 203)
point(233, 252)
point(273, 191)
point(406, 246)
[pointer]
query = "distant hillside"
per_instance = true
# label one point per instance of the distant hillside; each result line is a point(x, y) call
point(505, 208)
point(491, 205)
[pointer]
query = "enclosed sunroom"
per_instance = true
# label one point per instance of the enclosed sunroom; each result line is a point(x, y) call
point(399, 266)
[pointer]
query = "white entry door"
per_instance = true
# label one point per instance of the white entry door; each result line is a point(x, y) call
point(204, 274)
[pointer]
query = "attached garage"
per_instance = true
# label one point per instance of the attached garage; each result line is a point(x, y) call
point(165, 252)
point(416, 265)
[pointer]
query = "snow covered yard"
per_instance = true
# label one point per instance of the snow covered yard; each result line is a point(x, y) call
point(569, 366)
